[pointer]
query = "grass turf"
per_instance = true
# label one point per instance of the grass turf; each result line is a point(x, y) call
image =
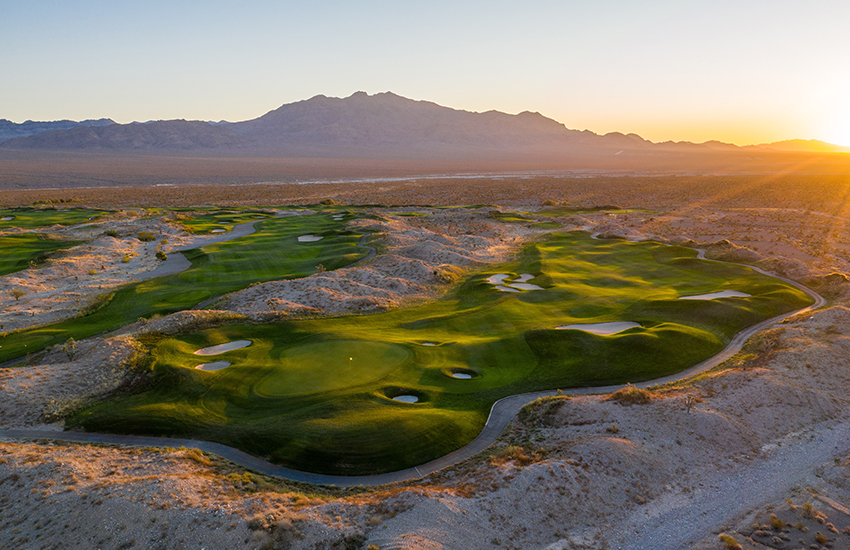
point(17, 251)
point(272, 252)
point(317, 394)
point(32, 218)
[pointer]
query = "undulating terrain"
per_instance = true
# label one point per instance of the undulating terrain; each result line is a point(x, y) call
point(672, 467)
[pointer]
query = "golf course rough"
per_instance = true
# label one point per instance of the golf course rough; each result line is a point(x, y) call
point(318, 395)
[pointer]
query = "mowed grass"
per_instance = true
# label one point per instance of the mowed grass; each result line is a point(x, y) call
point(32, 218)
point(17, 251)
point(317, 394)
point(208, 222)
point(272, 252)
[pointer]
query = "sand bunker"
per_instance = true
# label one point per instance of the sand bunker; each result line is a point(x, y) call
point(406, 398)
point(218, 231)
point(602, 328)
point(218, 365)
point(461, 375)
point(7, 219)
point(525, 286)
point(501, 282)
point(721, 294)
point(428, 344)
point(309, 238)
point(497, 279)
point(223, 348)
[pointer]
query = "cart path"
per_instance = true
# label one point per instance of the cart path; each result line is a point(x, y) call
point(501, 414)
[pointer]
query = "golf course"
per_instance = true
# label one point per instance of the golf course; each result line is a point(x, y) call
point(375, 393)
point(272, 252)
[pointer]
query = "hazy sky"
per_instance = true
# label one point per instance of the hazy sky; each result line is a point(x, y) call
point(745, 71)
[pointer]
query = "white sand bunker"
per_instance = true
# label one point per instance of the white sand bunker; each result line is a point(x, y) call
point(406, 398)
point(7, 219)
point(461, 375)
point(501, 282)
point(223, 348)
point(428, 344)
point(721, 294)
point(309, 238)
point(218, 231)
point(218, 365)
point(602, 328)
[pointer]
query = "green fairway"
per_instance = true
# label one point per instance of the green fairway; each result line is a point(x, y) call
point(31, 218)
point(220, 221)
point(272, 253)
point(17, 251)
point(317, 395)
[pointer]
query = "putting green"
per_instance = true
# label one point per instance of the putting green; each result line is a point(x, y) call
point(329, 366)
point(291, 397)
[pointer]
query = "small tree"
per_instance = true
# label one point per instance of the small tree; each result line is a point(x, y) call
point(70, 348)
point(16, 293)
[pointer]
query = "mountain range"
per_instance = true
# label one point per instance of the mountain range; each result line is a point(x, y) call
point(382, 125)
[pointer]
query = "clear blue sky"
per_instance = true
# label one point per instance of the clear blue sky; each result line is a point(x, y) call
point(741, 71)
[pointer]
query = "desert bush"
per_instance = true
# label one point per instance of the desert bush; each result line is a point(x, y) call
point(550, 202)
point(92, 272)
point(111, 233)
point(729, 542)
point(160, 255)
point(146, 236)
point(329, 202)
point(513, 453)
point(613, 429)
point(16, 293)
point(777, 523)
point(631, 395)
point(70, 348)
point(821, 538)
point(125, 259)
point(163, 241)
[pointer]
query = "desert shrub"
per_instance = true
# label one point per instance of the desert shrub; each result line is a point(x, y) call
point(160, 255)
point(729, 542)
point(92, 272)
point(550, 202)
point(776, 523)
point(163, 241)
point(146, 236)
point(16, 293)
point(111, 233)
point(631, 395)
point(613, 429)
point(70, 348)
point(329, 202)
point(821, 538)
point(513, 453)
point(125, 259)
